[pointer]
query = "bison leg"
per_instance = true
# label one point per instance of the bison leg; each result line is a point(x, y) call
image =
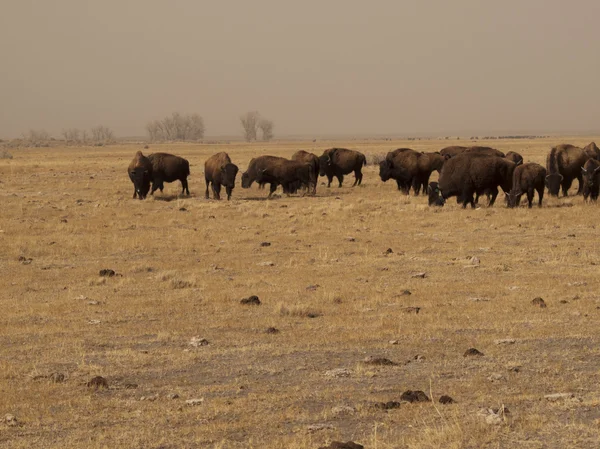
point(566, 185)
point(329, 180)
point(216, 187)
point(530, 193)
point(156, 184)
point(228, 190)
point(357, 176)
point(540, 192)
point(416, 185)
point(184, 187)
point(580, 179)
point(206, 193)
point(340, 179)
point(492, 197)
point(272, 189)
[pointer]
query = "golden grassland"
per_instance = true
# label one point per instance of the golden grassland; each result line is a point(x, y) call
point(326, 282)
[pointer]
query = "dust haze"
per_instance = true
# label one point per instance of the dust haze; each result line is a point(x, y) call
point(314, 67)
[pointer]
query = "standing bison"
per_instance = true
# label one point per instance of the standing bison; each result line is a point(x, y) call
point(140, 173)
point(591, 179)
point(218, 171)
point(467, 174)
point(168, 168)
point(313, 160)
point(527, 179)
point(563, 165)
point(339, 162)
point(277, 171)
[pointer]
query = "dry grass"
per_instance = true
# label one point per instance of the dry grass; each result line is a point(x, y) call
point(184, 273)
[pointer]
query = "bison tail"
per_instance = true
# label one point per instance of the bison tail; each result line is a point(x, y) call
point(364, 160)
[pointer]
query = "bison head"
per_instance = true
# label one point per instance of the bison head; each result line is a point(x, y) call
point(140, 177)
point(435, 195)
point(325, 164)
point(553, 183)
point(513, 197)
point(589, 175)
point(246, 180)
point(385, 170)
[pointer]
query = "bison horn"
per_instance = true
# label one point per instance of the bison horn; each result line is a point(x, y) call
point(583, 170)
point(597, 168)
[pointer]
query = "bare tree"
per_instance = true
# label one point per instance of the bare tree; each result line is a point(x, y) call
point(102, 134)
point(250, 122)
point(176, 127)
point(71, 135)
point(266, 126)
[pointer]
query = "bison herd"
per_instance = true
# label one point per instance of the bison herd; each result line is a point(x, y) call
point(464, 172)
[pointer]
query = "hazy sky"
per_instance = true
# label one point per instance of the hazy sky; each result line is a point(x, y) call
point(314, 67)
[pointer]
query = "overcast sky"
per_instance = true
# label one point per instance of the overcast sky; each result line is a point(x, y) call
point(321, 67)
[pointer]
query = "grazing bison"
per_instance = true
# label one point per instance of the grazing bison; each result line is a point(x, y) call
point(168, 168)
point(219, 171)
point(313, 160)
point(466, 174)
point(278, 171)
point(515, 157)
point(402, 165)
point(563, 165)
point(486, 151)
point(527, 178)
point(452, 151)
point(140, 173)
point(591, 179)
point(255, 171)
point(339, 162)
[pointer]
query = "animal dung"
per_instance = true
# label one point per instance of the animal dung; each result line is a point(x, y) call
point(389, 405)
point(472, 352)
point(342, 445)
point(198, 341)
point(381, 361)
point(251, 301)
point(414, 396)
point(414, 310)
point(265, 244)
point(107, 273)
point(97, 382)
point(446, 400)
point(271, 330)
point(539, 302)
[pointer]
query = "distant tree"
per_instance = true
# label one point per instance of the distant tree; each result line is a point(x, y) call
point(102, 134)
point(71, 135)
point(250, 122)
point(38, 136)
point(176, 127)
point(266, 126)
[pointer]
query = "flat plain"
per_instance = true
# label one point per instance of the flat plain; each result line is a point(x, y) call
point(344, 278)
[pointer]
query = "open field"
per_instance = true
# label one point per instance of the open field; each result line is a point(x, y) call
point(326, 282)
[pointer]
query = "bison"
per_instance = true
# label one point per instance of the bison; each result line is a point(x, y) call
point(428, 163)
point(339, 162)
point(486, 151)
point(313, 160)
point(467, 174)
point(278, 171)
point(515, 157)
point(140, 173)
point(168, 168)
point(591, 179)
point(402, 165)
point(435, 199)
point(452, 151)
point(218, 171)
point(527, 178)
point(563, 165)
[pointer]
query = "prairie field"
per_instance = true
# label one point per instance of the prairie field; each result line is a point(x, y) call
point(364, 293)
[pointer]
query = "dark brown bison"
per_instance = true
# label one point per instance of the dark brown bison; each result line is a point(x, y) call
point(168, 168)
point(313, 160)
point(255, 170)
point(140, 173)
point(452, 151)
point(527, 178)
point(339, 162)
point(592, 151)
point(591, 179)
point(485, 150)
point(402, 165)
point(218, 171)
point(563, 165)
point(428, 163)
point(515, 157)
point(278, 171)
point(435, 199)
point(467, 174)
